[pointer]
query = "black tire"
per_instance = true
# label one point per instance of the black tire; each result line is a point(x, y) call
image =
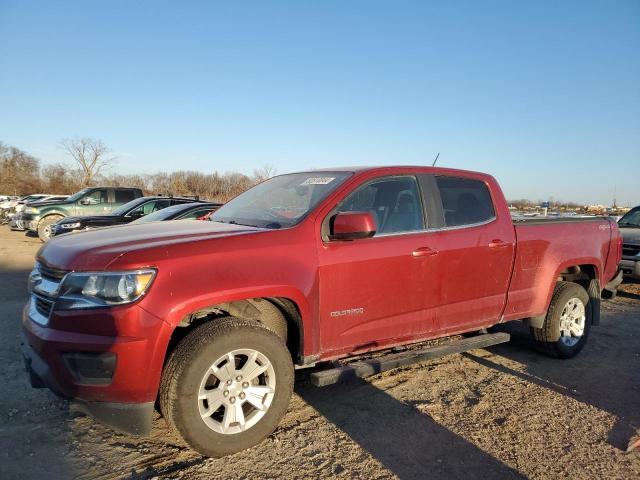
point(189, 361)
point(547, 339)
point(44, 226)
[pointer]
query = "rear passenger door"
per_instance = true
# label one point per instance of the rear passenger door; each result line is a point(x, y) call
point(474, 254)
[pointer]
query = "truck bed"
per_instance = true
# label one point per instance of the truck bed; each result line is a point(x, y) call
point(547, 246)
point(555, 219)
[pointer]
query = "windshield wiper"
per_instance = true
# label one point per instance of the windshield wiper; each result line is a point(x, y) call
point(233, 222)
point(626, 224)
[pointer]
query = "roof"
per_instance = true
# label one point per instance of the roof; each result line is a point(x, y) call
point(382, 168)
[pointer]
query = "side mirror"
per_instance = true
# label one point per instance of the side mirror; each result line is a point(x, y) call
point(136, 214)
point(352, 226)
point(85, 201)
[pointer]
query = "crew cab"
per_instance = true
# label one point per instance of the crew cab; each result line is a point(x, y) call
point(89, 201)
point(127, 213)
point(209, 318)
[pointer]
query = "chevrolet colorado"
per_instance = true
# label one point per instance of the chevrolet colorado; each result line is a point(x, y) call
point(208, 319)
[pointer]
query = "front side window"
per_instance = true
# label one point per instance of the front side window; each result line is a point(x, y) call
point(631, 219)
point(280, 202)
point(150, 207)
point(465, 201)
point(194, 214)
point(96, 198)
point(394, 203)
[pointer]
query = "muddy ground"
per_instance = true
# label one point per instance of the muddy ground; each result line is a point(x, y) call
point(501, 412)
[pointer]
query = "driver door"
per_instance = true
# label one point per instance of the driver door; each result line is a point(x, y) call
point(371, 291)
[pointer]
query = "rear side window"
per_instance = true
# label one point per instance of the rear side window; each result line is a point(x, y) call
point(124, 196)
point(464, 201)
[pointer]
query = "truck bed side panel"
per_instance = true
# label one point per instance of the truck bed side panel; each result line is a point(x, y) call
point(544, 250)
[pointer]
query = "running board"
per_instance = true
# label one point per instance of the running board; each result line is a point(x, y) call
point(365, 368)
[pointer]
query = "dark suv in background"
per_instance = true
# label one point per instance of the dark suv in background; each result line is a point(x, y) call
point(90, 201)
point(127, 213)
point(629, 226)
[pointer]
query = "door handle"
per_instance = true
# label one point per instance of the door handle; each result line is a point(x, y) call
point(497, 243)
point(424, 252)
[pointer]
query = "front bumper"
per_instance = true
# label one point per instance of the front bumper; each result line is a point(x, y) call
point(131, 418)
point(30, 221)
point(126, 346)
point(630, 268)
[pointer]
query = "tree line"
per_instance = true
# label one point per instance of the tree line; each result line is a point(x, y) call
point(23, 174)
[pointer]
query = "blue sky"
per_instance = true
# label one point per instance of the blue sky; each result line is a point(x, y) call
point(544, 95)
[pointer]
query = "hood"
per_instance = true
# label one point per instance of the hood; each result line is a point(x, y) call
point(630, 235)
point(96, 249)
point(108, 219)
point(39, 204)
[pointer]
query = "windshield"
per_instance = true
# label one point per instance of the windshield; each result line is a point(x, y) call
point(78, 195)
point(631, 219)
point(163, 214)
point(281, 201)
point(122, 209)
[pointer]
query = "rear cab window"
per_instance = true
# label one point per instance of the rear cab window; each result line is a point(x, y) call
point(465, 201)
point(124, 196)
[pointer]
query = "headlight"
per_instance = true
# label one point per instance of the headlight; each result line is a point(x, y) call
point(31, 210)
point(69, 225)
point(103, 289)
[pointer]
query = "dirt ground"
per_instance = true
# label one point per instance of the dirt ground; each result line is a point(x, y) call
point(501, 412)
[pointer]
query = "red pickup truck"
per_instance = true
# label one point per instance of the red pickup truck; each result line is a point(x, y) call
point(209, 318)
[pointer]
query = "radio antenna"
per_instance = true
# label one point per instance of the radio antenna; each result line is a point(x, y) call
point(435, 160)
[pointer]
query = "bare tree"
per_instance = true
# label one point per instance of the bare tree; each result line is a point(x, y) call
point(264, 173)
point(91, 156)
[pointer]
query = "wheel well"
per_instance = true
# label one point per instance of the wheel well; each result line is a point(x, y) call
point(53, 214)
point(279, 314)
point(581, 274)
point(587, 277)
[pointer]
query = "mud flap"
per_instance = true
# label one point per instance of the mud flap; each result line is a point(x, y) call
point(594, 292)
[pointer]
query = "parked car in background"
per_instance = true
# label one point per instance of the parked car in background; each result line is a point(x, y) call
point(17, 206)
point(5, 207)
point(135, 209)
point(629, 226)
point(188, 211)
point(207, 319)
point(17, 223)
point(90, 201)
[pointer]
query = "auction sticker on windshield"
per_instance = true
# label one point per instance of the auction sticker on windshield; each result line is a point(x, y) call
point(318, 181)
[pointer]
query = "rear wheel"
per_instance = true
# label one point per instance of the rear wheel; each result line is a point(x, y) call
point(44, 226)
point(567, 324)
point(226, 386)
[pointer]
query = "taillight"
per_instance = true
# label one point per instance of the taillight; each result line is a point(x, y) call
point(619, 248)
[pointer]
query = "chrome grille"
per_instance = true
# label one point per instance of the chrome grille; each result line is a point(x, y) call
point(43, 306)
point(51, 272)
point(40, 309)
point(630, 250)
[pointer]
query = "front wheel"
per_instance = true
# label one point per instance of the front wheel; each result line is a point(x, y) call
point(567, 324)
point(44, 226)
point(226, 386)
